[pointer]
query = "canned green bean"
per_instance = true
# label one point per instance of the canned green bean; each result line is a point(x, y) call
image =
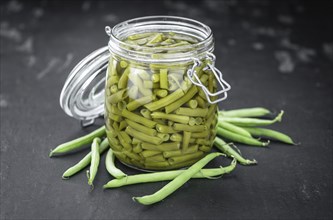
point(161, 91)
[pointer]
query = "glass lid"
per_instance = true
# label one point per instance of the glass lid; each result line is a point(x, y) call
point(82, 96)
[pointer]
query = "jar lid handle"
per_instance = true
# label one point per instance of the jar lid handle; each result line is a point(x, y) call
point(217, 74)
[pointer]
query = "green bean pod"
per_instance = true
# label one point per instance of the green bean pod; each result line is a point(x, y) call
point(264, 132)
point(110, 166)
point(77, 143)
point(85, 161)
point(176, 182)
point(240, 138)
point(245, 112)
point(95, 158)
point(168, 175)
point(229, 151)
point(251, 122)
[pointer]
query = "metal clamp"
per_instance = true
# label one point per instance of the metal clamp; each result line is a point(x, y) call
point(218, 75)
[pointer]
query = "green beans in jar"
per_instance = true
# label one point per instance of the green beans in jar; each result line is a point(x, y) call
point(169, 123)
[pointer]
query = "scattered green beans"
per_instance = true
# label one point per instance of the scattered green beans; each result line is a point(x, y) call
point(249, 122)
point(85, 161)
point(168, 175)
point(234, 128)
point(229, 151)
point(245, 112)
point(240, 138)
point(176, 182)
point(110, 166)
point(77, 143)
point(264, 132)
point(95, 158)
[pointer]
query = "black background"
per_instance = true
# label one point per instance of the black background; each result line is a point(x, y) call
point(42, 40)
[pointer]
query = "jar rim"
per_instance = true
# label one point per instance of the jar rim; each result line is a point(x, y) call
point(160, 22)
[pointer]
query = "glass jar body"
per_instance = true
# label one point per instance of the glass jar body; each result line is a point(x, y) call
point(156, 119)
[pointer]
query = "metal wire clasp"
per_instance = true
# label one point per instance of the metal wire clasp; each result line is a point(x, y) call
point(218, 75)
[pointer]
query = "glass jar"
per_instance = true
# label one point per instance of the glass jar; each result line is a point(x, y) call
point(161, 91)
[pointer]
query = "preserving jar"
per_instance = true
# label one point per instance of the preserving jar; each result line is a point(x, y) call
point(161, 91)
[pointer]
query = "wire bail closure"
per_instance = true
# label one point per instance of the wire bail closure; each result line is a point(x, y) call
point(218, 75)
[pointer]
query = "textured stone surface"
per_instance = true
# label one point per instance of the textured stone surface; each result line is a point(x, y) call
point(275, 54)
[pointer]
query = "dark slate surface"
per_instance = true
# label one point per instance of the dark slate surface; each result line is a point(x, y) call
point(275, 54)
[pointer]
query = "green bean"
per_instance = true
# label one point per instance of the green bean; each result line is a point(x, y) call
point(155, 158)
point(123, 64)
point(192, 104)
point(211, 110)
point(172, 117)
point(185, 157)
point(136, 141)
point(155, 77)
point(249, 122)
point(195, 128)
point(165, 129)
point(139, 36)
point(161, 147)
point(156, 39)
point(229, 151)
point(132, 155)
point(122, 125)
point(205, 148)
point(114, 109)
point(177, 182)
point(192, 121)
point(125, 137)
point(245, 112)
point(210, 82)
point(142, 136)
point(95, 158)
point(199, 121)
point(145, 113)
point(139, 119)
point(149, 153)
point(85, 161)
point(168, 175)
point(144, 129)
point(199, 112)
point(264, 132)
point(165, 101)
point(181, 99)
point(113, 80)
point(112, 70)
point(121, 156)
point(234, 128)
point(164, 79)
point(201, 103)
point(167, 42)
point(137, 149)
point(110, 166)
point(124, 142)
point(173, 153)
point(118, 96)
point(176, 137)
point(121, 105)
point(156, 165)
point(116, 118)
point(186, 140)
point(240, 138)
point(77, 143)
point(203, 134)
point(122, 83)
point(161, 92)
point(164, 137)
point(202, 141)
